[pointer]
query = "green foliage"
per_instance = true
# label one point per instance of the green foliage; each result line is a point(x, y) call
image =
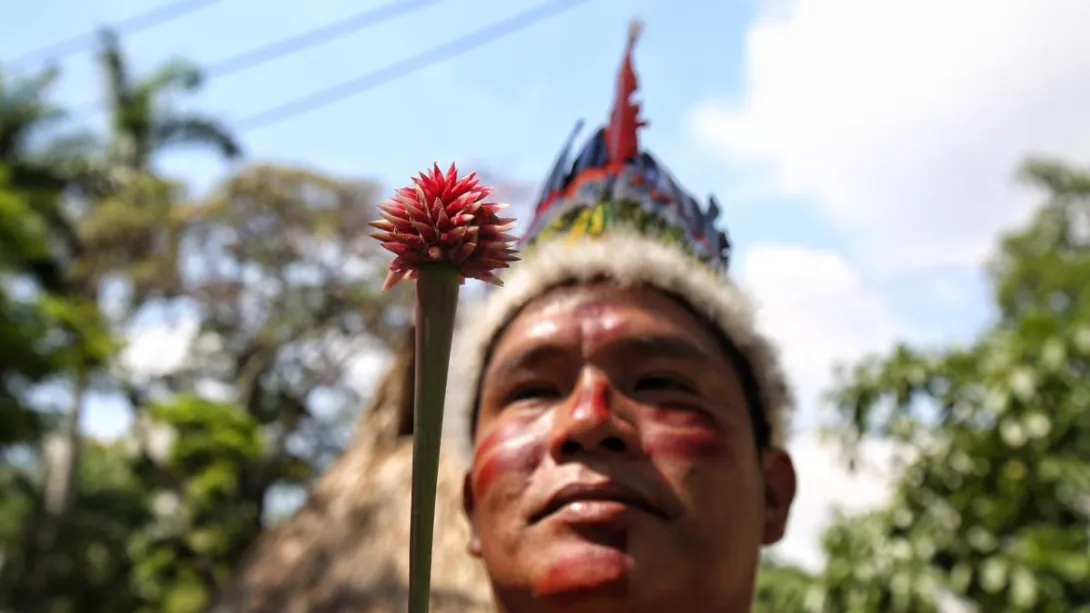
point(43, 334)
point(133, 233)
point(74, 214)
point(290, 308)
point(873, 566)
point(90, 560)
point(782, 588)
point(993, 505)
point(147, 535)
point(202, 522)
point(157, 521)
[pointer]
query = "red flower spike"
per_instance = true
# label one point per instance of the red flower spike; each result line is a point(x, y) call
point(444, 218)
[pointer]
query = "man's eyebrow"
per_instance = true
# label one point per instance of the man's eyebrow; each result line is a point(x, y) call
point(663, 346)
point(668, 346)
point(528, 359)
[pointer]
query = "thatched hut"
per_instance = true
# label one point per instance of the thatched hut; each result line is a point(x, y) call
point(347, 549)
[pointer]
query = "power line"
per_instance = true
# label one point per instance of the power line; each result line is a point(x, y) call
point(408, 66)
point(293, 44)
point(132, 25)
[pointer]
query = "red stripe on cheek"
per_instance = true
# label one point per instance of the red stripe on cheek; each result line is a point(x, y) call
point(513, 448)
point(687, 435)
point(690, 446)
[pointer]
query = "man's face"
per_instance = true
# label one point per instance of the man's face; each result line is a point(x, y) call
point(615, 466)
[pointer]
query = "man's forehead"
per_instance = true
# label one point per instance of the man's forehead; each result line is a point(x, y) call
point(591, 299)
point(600, 312)
point(584, 299)
point(594, 306)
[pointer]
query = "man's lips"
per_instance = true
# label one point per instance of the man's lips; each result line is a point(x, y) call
point(596, 492)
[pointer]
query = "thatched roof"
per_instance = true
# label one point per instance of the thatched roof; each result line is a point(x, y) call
point(347, 549)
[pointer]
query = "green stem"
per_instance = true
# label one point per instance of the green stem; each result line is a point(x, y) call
point(436, 305)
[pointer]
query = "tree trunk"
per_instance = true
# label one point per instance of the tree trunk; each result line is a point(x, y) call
point(59, 490)
point(61, 482)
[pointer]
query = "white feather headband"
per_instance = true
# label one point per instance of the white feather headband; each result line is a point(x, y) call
point(628, 259)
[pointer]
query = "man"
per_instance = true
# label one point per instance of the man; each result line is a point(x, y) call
point(626, 419)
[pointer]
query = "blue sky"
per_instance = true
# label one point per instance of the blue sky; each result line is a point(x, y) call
point(505, 107)
point(509, 104)
point(864, 176)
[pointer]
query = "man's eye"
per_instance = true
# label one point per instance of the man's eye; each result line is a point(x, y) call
point(656, 383)
point(534, 392)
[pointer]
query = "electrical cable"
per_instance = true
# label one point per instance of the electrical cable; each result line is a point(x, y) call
point(310, 38)
point(403, 68)
point(292, 44)
point(132, 25)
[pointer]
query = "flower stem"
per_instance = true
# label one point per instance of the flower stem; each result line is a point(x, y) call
point(436, 304)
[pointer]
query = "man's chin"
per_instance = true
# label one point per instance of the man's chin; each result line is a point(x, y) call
point(577, 568)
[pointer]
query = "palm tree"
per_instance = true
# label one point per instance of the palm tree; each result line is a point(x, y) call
point(118, 221)
point(141, 125)
point(24, 115)
point(41, 160)
point(106, 210)
point(125, 222)
point(40, 164)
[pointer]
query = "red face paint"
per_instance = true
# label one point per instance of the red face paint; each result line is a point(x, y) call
point(687, 435)
point(593, 404)
point(598, 323)
point(513, 447)
point(592, 569)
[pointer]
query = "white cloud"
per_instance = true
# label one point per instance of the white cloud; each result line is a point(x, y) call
point(154, 350)
point(826, 485)
point(366, 369)
point(905, 119)
point(817, 308)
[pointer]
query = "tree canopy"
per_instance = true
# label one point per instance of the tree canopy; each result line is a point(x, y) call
point(992, 505)
point(274, 268)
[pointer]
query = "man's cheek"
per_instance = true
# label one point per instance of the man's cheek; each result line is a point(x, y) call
point(513, 449)
point(686, 436)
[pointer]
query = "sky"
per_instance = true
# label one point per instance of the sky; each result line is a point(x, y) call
point(864, 152)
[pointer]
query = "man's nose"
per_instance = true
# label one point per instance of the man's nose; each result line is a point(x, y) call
point(588, 424)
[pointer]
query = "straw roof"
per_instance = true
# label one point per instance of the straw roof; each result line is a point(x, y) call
point(347, 549)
